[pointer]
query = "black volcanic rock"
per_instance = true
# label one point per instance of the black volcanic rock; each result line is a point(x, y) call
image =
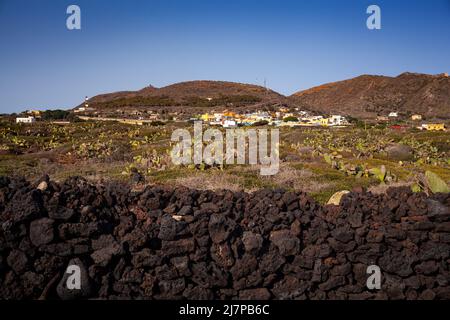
point(270, 244)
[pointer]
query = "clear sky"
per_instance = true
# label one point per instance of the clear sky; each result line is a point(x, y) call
point(129, 44)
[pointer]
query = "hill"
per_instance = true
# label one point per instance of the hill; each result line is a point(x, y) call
point(367, 96)
point(192, 93)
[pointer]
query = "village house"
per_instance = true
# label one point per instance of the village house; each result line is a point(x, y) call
point(416, 117)
point(289, 124)
point(28, 119)
point(218, 116)
point(303, 113)
point(393, 115)
point(382, 118)
point(337, 120)
point(314, 120)
point(288, 115)
point(135, 112)
point(432, 127)
point(206, 117)
point(262, 116)
point(229, 124)
point(34, 113)
point(83, 109)
point(228, 119)
point(398, 127)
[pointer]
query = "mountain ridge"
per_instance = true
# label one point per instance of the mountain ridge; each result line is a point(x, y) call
point(372, 95)
point(364, 96)
point(197, 88)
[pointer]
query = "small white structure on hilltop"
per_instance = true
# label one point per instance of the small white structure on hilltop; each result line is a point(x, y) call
point(26, 120)
point(84, 108)
point(393, 115)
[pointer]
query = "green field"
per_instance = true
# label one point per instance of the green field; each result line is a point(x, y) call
point(319, 161)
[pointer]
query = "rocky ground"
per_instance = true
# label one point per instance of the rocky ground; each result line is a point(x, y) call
point(177, 243)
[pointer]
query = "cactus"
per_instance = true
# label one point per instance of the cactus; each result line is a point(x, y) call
point(379, 173)
point(336, 197)
point(435, 183)
point(416, 187)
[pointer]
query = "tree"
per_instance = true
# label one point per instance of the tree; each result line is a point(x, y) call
point(290, 119)
point(51, 115)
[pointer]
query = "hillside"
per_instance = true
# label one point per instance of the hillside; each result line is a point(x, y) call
point(369, 96)
point(365, 96)
point(192, 93)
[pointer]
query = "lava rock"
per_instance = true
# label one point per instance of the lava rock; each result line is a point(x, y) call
point(170, 228)
point(178, 247)
point(220, 227)
point(400, 152)
point(103, 256)
point(185, 210)
point(61, 213)
point(255, 294)
point(252, 242)
point(161, 242)
point(287, 244)
point(41, 231)
point(17, 260)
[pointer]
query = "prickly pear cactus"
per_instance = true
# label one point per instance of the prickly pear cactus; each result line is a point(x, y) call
point(436, 184)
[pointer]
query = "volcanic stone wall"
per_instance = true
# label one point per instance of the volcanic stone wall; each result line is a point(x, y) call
point(177, 243)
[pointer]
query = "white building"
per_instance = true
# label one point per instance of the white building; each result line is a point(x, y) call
point(80, 109)
point(261, 116)
point(393, 115)
point(218, 116)
point(336, 120)
point(26, 120)
point(229, 124)
point(83, 109)
point(303, 113)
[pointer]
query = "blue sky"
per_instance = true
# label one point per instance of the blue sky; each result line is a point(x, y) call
point(126, 45)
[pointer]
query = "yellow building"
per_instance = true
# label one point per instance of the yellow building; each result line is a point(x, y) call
point(433, 127)
point(207, 117)
point(416, 117)
point(35, 113)
point(229, 114)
